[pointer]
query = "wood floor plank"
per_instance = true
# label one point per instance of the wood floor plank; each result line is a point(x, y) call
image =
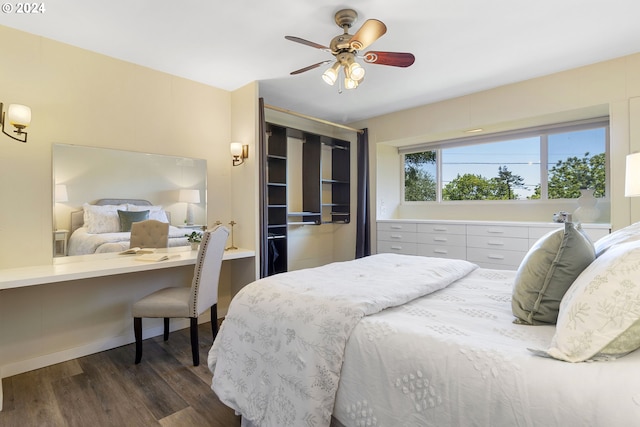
point(108, 389)
point(150, 387)
point(121, 406)
point(78, 403)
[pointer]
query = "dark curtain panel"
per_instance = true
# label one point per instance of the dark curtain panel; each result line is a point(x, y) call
point(363, 225)
point(262, 143)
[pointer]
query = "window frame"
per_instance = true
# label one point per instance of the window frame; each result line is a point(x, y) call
point(542, 132)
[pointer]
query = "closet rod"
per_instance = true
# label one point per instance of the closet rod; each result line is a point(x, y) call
point(304, 116)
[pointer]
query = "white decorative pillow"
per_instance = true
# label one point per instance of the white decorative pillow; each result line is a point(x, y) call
point(102, 219)
point(626, 234)
point(155, 212)
point(599, 316)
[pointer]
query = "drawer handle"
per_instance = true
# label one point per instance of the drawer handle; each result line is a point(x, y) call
point(396, 236)
point(396, 227)
point(440, 251)
point(439, 229)
point(396, 248)
point(440, 239)
point(495, 243)
point(495, 256)
point(495, 231)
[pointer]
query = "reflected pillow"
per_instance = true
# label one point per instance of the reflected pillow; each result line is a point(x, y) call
point(547, 271)
point(155, 212)
point(102, 219)
point(599, 316)
point(626, 234)
point(128, 217)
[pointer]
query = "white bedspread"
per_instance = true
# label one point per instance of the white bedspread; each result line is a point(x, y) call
point(278, 355)
point(82, 243)
point(455, 358)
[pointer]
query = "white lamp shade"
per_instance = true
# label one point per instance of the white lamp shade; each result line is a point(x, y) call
point(236, 149)
point(189, 196)
point(19, 115)
point(632, 176)
point(61, 193)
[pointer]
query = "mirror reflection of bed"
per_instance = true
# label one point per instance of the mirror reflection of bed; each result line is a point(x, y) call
point(98, 227)
point(139, 181)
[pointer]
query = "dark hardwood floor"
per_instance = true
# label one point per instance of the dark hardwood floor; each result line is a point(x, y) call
point(108, 389)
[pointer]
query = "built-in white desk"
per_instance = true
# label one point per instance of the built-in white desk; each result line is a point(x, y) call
point(99, 265)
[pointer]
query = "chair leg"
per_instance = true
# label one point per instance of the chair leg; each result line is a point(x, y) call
point(166, 328)
point(194, 341)
point(214, 320)
point(137, 331)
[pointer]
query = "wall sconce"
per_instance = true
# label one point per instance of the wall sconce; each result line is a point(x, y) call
point(19, 116)
point(239, 153)
point(189, 197)
point(632, 175)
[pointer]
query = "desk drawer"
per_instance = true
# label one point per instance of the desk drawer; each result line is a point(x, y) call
point(498, 230)
point(442, 239)
point(498, 242)
point(397, 226)
point(495, 256)
point(407, 248)
point(440, 251)
point(397, 236)
point(442, 228)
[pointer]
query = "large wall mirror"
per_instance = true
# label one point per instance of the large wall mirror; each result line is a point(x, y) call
point(85, 174)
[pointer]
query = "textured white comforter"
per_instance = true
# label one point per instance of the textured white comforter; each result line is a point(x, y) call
point(278, 356)
point(82, 243)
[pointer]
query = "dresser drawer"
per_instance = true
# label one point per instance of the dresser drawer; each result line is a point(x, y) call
point(495, 256)
point(436, 228)
point(397, 226)
point(442, 239)
point(440, 251)
point(498, 230)
point(498, 242)
point(406, 248)
point(397, 236)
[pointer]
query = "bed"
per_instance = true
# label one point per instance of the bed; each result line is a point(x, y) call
point(97, 228)
point(398, 340)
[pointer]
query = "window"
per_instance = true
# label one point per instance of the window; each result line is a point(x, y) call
point(550, 162)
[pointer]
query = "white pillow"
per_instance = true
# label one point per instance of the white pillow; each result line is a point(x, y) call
point(599, 316)
point(626, 234)
point(155, 212)
point(102, 219)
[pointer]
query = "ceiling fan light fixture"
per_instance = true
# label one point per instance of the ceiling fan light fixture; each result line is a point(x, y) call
point(356, 72)
point(331, 74)
point(350, 83)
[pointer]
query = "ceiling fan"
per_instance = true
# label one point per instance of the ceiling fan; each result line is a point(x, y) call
point(345, 48)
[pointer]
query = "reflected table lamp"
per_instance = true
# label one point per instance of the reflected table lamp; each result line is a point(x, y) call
point(189, 197)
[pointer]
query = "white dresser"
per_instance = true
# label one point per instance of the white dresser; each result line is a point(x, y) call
point(500, 245)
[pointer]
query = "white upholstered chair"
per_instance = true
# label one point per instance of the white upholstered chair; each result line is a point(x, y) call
point(184, 301)
point(149, 233)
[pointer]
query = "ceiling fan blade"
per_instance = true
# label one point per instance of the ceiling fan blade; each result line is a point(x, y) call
point(306, 42)
point(310, 67)
point(396, 59)
point(370, 31)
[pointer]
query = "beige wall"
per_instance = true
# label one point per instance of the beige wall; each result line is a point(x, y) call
point(611, 87)
point(80, 97)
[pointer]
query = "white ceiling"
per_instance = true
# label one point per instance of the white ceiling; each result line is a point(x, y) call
point(461, 46)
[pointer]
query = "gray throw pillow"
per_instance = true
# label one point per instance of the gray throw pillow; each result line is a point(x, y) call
point(546, 273)
point(128, 217)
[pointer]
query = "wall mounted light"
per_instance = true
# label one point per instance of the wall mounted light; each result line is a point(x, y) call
point(189, 197)
point(632, 175)
point(239, 152)
point(19, 116)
